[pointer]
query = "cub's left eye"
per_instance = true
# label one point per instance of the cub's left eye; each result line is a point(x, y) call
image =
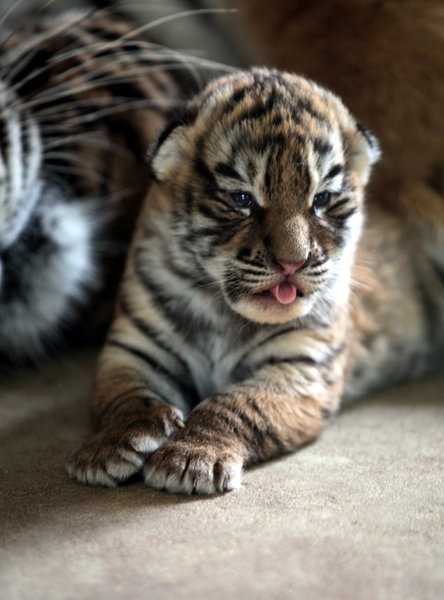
point(322, 199)
point(241, 199)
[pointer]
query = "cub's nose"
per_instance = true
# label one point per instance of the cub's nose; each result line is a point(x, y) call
point(288, 268)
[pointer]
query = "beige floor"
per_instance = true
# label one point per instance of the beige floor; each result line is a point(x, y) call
point(358, 515)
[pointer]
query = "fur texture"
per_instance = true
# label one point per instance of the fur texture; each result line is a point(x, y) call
point(80, 101)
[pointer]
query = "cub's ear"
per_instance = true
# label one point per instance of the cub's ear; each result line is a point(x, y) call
point(363, 151)
point(171, 146)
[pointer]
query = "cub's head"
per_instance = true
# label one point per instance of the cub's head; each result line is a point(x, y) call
point(263, 180)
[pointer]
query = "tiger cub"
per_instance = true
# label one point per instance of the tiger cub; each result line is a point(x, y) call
point(251, 305)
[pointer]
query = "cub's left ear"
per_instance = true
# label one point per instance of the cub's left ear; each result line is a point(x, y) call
point(363, 151)
point(167, 151)
point(172, 145)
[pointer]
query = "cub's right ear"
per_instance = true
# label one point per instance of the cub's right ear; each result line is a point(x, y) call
point(170, 149)
point(363, 150)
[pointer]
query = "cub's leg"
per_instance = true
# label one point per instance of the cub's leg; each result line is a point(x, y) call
point(138, 405)
point(131, 416)
point(278, 411)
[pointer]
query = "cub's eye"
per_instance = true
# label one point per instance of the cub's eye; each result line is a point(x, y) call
point(241, 199)
point(322, 199)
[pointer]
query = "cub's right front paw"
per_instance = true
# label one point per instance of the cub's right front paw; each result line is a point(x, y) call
point(119, 451)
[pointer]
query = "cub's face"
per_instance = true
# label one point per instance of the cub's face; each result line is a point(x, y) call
point(263, 181)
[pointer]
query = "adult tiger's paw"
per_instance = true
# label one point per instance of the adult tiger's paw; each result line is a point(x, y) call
point(119, 451)
point(188, 467)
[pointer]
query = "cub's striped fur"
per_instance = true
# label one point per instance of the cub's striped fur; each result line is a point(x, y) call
point(249, 307)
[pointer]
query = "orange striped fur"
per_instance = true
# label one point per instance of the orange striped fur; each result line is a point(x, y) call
point(257, 294)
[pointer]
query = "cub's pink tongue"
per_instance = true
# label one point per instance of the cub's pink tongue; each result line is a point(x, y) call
point(284, 292)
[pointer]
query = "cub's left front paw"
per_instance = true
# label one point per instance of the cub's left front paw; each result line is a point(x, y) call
point(187, 467)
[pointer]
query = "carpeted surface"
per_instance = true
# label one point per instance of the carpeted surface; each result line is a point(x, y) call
point(357, 515)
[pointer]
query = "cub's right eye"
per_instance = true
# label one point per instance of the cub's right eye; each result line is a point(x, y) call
point(322, 199)
point(242, 199)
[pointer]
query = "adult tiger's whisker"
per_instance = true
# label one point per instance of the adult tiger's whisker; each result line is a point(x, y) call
point(97, 114)
point(69, 156)
point(88, 140)
point(47, 97)
point(79, 67)
point(33, 45)
point(174, 17)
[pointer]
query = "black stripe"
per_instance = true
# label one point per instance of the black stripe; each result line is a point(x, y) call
point(227, 170)
point(300, 359)
point(260, 144)
point(178, 319)
point(207, 211)
point(343, 216)
point(205, 232)
point(172, 125)
point(275, 335)
point(4, 140)
point(258, 435)
point(320, 262)
point(303, 359)
point(243, 253)
point(151, 333)
point(338, 204)
point(322, 146)
point(334, 171)
point(316, 273)
point(268, 426)
point(257, 274)
point(255, 263)
point(188, 392)
point(371, 140)
point(259, 110)
point(144, 356)
point(229, 233)
point(305, 106)
point(196, 278)
point(234, 101)
point(202, 169)
point(157, 295)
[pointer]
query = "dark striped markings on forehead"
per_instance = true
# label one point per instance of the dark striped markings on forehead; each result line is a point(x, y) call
point(263, 113)
point(261, 93)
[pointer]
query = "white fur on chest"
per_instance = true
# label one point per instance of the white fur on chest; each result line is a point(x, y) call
point(216, 363)
point(212, 349)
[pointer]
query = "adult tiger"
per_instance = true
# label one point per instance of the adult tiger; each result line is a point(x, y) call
point(82, 95)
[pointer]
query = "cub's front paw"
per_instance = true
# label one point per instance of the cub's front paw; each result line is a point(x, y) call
point(187, 467)
point(119, 451)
